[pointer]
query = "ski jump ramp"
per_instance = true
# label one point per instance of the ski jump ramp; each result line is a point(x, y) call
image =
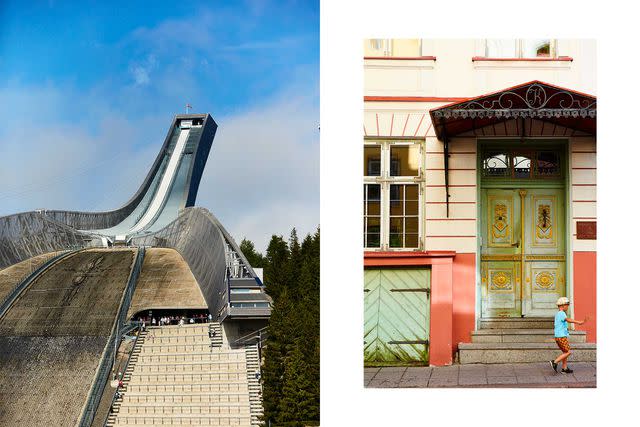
point(160, 214)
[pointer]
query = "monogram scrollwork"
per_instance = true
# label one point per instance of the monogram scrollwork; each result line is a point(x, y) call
point(536, 102)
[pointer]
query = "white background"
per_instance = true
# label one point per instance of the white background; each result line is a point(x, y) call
point(344, 24)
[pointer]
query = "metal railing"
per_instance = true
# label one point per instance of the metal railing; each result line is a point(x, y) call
point(259, 336)
point(126, 330)
point(110, 352)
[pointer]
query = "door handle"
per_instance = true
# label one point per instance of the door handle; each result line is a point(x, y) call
point(516, 244)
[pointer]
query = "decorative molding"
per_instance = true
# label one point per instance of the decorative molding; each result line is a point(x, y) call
point(516, 258)
point(536, 103)
point(530, 258)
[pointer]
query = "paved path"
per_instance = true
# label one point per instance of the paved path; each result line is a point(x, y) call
point(478, 375)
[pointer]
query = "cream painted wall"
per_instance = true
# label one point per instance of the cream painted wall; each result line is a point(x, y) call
point(454, 74)
point(583, 192)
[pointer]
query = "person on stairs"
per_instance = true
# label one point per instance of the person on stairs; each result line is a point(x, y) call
point(561, 333)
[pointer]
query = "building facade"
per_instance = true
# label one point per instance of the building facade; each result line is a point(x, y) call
point(479, 190)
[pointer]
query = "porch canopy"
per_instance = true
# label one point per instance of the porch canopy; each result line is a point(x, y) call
point(528, 102)
point(533, 100)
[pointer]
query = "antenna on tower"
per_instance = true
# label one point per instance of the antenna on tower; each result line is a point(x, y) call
point(186, 108)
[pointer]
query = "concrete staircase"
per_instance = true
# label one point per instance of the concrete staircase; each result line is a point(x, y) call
point(519, 340)
point(255, 387)
point(182, 375)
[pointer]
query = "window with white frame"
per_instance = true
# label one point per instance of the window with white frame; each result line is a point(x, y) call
point(392, 194)
point(520, 48)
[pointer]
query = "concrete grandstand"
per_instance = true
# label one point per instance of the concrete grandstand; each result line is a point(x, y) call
point(75, 288)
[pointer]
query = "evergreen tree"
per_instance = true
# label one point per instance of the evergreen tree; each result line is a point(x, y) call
point(298, 399)
point(276, 268)
point(291, 373)
point(295, 264)
point(282, 333)
point(248, 249)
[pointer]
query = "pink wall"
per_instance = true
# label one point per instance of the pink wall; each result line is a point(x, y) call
point(584, 291)
point(464, 298)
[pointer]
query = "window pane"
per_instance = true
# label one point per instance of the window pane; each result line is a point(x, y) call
point(547, 164)
point(411, 224)
point(396, 195)
point(373, 240)
point(502, 48)
point(372, 215)
point(536, 48)
point(375, 47)
point(405, 160)
point(395, 240)
point(411, 240)
point(373, 225)
point(495, 163)
point(373, 208)
point(411, 208)
point(522, 165)
point(372, 160)
point(411, 200)
point(395, 225)
point(372, 192)
point(405, 47)
point(411, 192)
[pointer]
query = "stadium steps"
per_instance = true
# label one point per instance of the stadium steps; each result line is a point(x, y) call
point(166, 384)
point(255, 388)
point(215, 333)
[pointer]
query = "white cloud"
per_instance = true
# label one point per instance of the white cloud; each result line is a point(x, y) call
point(261, 178)
point(141, 71)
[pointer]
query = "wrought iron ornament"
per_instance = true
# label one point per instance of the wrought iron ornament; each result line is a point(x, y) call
point(536, 100)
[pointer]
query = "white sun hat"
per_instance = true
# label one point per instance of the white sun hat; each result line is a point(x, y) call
point(562, 301)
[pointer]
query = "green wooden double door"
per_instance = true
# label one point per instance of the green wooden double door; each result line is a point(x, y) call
point(396, 315)
point(523, 261)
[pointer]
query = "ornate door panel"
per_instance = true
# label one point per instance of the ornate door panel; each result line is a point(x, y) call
point(501, 253)
point(545, 263)
point(522, 237)
point(396, 315)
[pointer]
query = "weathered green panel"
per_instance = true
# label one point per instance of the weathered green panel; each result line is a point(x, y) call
point(396, 315)
point(523, 251)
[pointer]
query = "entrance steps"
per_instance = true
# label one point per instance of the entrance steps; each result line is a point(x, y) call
point(522, 335)
point(521, 340)
point(517, 323)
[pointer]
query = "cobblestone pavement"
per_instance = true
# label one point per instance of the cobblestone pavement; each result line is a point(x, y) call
point(477, 375)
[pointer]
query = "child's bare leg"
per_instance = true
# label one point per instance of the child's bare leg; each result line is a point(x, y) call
point(563, 358)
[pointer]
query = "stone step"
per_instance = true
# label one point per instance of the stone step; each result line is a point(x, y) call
point(517, 323)
point(522, 352)
point(522, 335)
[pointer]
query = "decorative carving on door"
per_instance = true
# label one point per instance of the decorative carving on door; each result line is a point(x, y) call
point(501, 280)
point(501, 214)
point(544, 223)
point(546, 279)
point(500, 225)
point(544, 230)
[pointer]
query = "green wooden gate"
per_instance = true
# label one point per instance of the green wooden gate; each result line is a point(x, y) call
point(396, 316)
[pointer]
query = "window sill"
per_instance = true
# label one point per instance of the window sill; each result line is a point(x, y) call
point(401, 58)
point(540, 59)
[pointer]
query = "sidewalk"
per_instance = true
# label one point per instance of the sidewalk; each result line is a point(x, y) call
point(523, 375)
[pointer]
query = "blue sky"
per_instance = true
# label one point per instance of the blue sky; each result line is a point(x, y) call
point(87, 94)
